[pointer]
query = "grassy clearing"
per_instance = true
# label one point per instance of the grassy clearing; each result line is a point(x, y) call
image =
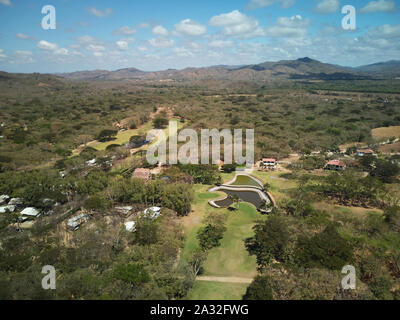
point(385, 133)
point(231, 258)
point(279, 185)
point(124, 136)
point(205, 290)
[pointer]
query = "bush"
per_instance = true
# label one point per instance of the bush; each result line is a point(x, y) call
point(326, 249)
point(132, 273)
point(259, 289)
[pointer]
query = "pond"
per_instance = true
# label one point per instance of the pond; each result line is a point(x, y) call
point(247, 196)
point(246, 187)
point(245, 180)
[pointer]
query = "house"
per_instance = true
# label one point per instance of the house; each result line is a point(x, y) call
point(269, 162)
point(4, 198)
point(142, 173)
point(29, 213)
point(335, 165)
point(130, 226)
point(16, 201)
point(152, 213)
point(364, 152)
point(75, 222)
point(7, 208)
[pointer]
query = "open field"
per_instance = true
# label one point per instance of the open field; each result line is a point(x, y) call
point(231, 258)
point(386, 133)
point(203, 290)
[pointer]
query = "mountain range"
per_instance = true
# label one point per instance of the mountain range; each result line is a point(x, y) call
point(303, 68)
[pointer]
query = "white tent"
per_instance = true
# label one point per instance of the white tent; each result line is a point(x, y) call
point(130, 226)
point(9, 208)
point(31, 212)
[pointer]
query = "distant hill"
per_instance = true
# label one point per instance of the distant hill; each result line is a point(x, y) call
point(303, 68)
point(385, 69)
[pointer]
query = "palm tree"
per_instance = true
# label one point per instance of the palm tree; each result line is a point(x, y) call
point(236, 200)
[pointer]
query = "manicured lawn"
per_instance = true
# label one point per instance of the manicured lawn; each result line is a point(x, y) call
point(231, 258)
point(205, 290)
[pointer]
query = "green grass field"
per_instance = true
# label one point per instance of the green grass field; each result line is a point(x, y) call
point(124, 136)
point(231, 258)
point(203, 290)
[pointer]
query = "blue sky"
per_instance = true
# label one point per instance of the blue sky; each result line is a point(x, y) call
point(162, 34)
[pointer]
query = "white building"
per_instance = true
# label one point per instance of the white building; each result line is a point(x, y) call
point(152, 213)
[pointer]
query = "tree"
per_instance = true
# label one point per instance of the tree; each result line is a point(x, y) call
point(160, 122)
point(147, 232)
point(236, 200)
point(270, 240)
point(106, 135)
point(326, 249)
point(196, 262)
point(228, 168)
point(178, 197)
point(210, 236)
point(385, 170)
point(259, 289)
point(132, 273)
point(392, 217)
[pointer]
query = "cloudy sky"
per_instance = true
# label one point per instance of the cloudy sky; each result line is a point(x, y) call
point(162, 34)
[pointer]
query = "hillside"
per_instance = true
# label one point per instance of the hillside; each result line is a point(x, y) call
point(304, 68)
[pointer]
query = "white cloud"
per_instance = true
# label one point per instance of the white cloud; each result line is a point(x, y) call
point(143, 25)
point(99, 13)
point(386, 31)
point(22, 36)
point(23, 56)
point(95, 47)
point(161, 43)
point(122, 45)
point(190, 28)
point(379, 6)
point(237, 24)
point(160, 31)
point(6, 2)
point(294, 27)
point(182, 52)
point(52, 48)
point(47, 46)
point(125, 30)
point(220, 44)
point(266, 3)
point(328, 6)
point(2, 55)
